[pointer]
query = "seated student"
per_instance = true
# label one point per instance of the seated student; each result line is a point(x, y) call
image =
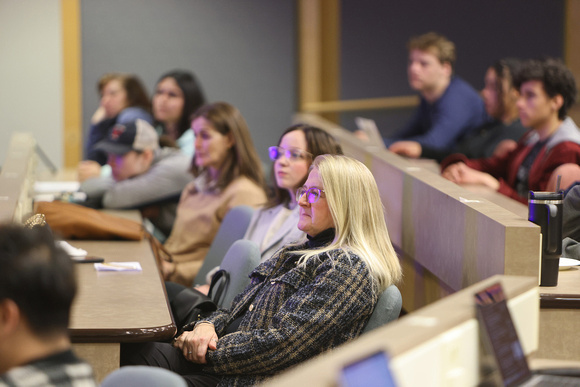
point(571, 223)
point(308, 298)
point(37, 288)
point(500, 97)
point(228, 173)
point(177, 96)
point(449, 108)
point(144, 176)
point(547, 90)
point(123, 99)
point(274, 225)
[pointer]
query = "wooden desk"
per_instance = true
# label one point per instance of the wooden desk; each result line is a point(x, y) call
point(501, 200)
point(117, 307)
point(538, 364)
point(560, 317)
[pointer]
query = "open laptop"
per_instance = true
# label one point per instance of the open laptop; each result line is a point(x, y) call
point(369, 127)
point(372, 371)
point(501, 340)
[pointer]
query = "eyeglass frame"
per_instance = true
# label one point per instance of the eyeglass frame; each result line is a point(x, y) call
point(281, 151)
point(301, 191)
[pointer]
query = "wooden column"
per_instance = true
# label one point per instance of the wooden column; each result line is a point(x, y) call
point(571, 44)
point(72, 98)
point(319, 52)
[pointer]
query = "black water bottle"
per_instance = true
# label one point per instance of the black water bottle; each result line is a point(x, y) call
point(545, 210)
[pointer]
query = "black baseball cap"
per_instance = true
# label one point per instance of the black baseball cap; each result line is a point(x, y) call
point(138, 135)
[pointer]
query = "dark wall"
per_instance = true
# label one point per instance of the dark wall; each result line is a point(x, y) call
point(375, 34)
point(243, 52)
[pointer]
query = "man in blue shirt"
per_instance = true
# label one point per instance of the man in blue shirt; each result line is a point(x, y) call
point(450, 108)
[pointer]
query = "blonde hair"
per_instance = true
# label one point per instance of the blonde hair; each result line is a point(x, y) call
point(358, 214)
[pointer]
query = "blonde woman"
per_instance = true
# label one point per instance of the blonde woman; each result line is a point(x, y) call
point(308, 298)
point(356, 210)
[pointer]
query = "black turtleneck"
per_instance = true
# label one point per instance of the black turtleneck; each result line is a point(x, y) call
point(321, 239)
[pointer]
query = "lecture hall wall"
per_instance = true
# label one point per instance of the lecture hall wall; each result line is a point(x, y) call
point(244, 52)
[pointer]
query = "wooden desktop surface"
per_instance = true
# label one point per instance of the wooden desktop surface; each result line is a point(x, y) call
point(560, 317)
point(501, 200)
point(120, 306)
point(566, 294)
point(117, 307)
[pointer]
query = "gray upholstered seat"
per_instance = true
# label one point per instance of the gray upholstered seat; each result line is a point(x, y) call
point(233, 227)
point(387, 309)
point(143, 376)
point(242, 257)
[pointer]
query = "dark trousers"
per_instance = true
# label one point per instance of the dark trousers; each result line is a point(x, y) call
point(166, 356)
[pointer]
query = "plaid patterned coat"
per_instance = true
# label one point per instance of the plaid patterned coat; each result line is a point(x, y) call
point(291, 313)
point(62, 369)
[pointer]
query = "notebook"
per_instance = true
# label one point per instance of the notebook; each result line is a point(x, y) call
point(372, 371)
point(502, 342)
point(369, 127)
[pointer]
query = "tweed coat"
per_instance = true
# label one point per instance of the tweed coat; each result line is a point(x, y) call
point(291, 313)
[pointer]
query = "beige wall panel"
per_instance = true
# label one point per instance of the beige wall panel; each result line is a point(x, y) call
point(31, 73)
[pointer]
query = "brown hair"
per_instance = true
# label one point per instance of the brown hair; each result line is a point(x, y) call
point(318, 142)
point(438, 45)
point(242, 158)
point(136, 93)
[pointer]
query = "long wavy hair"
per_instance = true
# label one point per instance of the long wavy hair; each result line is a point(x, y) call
point(193, 99)
point(358, 215)
point(242, 158)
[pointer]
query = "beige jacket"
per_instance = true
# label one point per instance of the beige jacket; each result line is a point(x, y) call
point(199, 216)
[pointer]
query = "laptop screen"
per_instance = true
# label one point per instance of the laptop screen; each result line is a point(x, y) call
point(372, 371)
point(369, 127)
point(500, 335)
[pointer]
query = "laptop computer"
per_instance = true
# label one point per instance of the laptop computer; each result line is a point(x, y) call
point(369, 127)
point(372, 371)
point(502, 343)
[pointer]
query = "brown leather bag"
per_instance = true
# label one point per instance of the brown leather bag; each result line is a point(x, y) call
point(73, 221)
